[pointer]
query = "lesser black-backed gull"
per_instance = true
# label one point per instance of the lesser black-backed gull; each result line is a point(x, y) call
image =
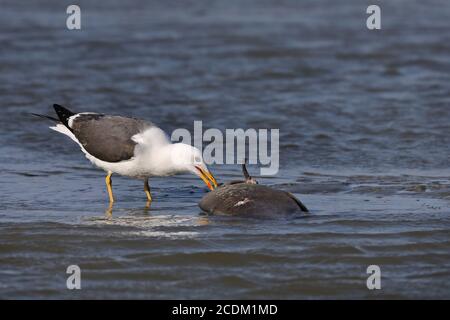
point(130, 147)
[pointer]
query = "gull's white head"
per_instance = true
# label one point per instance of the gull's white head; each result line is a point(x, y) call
point(187, 158)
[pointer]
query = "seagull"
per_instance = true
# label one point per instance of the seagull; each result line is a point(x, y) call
point(129, 147)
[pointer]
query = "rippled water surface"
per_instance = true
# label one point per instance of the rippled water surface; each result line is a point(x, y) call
point(364, 119)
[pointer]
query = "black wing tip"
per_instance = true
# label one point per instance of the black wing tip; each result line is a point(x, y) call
point(44, 116)
point(59, 107)
point(63, 114)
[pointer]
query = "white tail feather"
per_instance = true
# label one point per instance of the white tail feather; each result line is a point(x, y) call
point(63, 129)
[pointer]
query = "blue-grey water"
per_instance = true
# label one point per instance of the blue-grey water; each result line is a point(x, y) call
point(364, 119)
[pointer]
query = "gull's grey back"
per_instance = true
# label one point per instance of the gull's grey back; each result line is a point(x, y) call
point(108, 138)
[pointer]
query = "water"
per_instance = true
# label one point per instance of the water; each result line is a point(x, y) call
point(364, 130)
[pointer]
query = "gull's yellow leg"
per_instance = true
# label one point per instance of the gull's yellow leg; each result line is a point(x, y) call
point(147, 192)
point(109, 187)
point(108, 212)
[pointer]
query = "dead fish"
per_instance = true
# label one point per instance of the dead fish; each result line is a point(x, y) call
point(251, 199)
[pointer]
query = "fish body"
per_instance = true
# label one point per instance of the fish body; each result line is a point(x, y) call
point(251, 199)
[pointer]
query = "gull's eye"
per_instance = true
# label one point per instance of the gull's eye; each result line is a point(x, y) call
point(197, 159)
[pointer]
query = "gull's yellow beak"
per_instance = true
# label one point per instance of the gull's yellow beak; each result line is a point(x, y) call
point(207, 178)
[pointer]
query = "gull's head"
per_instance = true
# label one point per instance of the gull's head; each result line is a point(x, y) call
point(190, 159)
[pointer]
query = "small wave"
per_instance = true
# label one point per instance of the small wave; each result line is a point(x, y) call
point(163, 234)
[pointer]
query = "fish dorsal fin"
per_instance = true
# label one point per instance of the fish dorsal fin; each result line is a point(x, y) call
point(248, 178)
